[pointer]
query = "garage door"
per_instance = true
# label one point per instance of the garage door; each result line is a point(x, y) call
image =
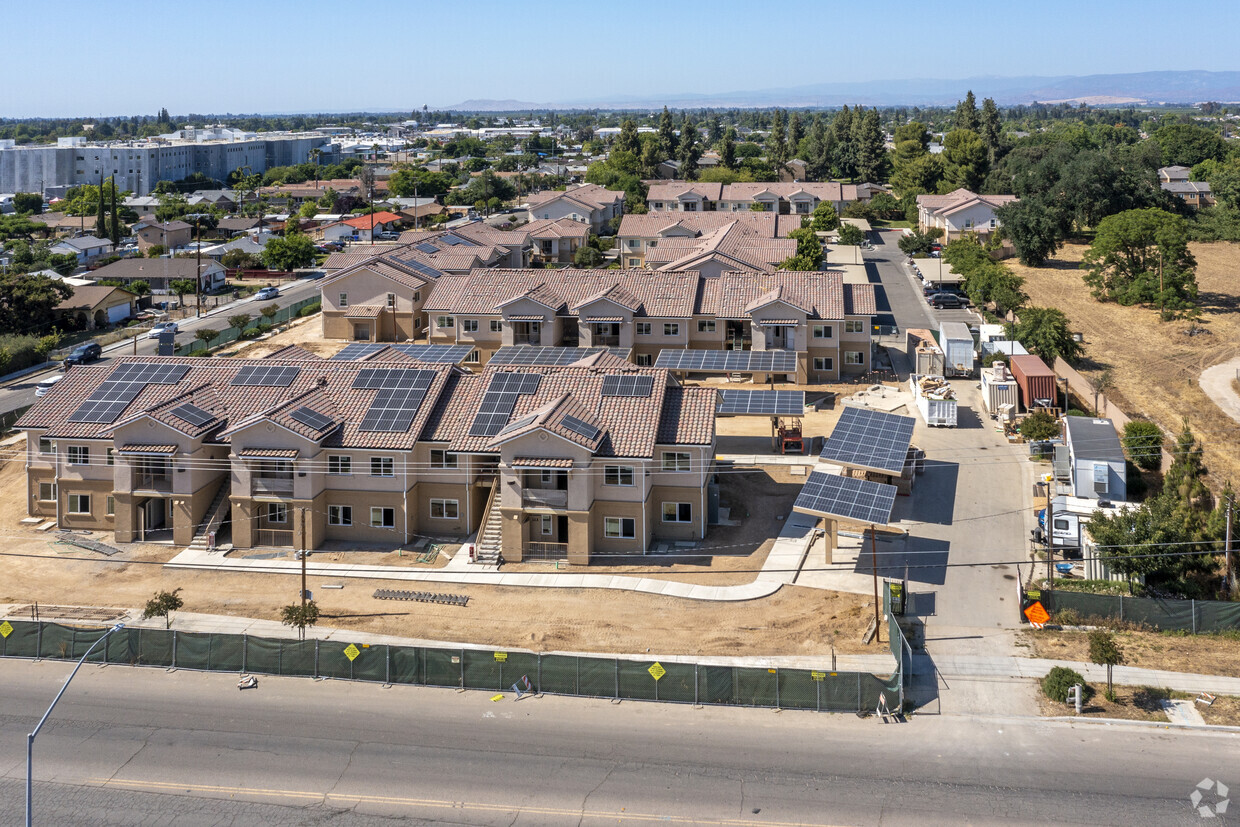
point(115, 314)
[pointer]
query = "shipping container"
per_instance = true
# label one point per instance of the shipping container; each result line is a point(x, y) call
point(1038, 387)
point(957, 344)
point(999, 388)
point(935, 400)
point(923, 352)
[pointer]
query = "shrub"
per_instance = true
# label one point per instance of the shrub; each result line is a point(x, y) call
point(1058, 681)
point(1066, 617)
point(1039, 425)
point(309, 310)
point(1143, 444)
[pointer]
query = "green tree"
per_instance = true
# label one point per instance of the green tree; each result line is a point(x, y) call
point(114, 225)
point(1189, 144)
point(965, 155)
point(1104, 651)
point(1044, 332)
point(100, 222)
point(28, 203)
point(1143, 444)
point(824, 218)
point(27, 302)
point(163, 604)
point(139, 288)
point(796, 132)
point(914, 131)
point(667, 136)
point(1039, 425)
point(966, 113)
point(627, 141)
point(183, 287)
point(1033, 230)
point(587, 257)
point(809, 251)
point(690, 149)
point(919, 175)
point(727, 149)
point(916, 243)
point(239, 320)
point(156, 250)
point(289, 252)
point(851, 235)
point(869, 146)
point(777, 142)
point(843, 147)
point(1142, 257)
point(299, 616)
point(205, 335)
point(990, 127)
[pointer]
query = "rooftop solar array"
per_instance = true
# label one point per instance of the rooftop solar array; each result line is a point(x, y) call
point(429, 272)
point(500, 399)
point(426, 248)
point(266, 376)
point(728, 361)
point(400, 395)
point(846, 498)
point(866, 438)
point(761, 403)
point(580, 426)
point(435, 354)
point(311, 418)
point(624, 384)
point(533, 355)
point(121, 387)
point(452, 241)
point(192, 414)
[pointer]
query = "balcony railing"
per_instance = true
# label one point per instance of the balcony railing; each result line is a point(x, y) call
point(270, 485)
point(544, 498)
point(152, 482)
point(545, 551)
point(527, 339)
point(274, 537)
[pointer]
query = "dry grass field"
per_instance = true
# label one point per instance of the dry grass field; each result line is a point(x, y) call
point(1154, 364)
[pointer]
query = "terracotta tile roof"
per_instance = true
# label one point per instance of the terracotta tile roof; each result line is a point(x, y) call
point(822, 190)
point(483, 291)
point(541, 462)
point(293, 352)
point(386, 266)
point(270, 453)
point(550, 418)
point(482, 233)
point(148, 449)
point(672, 190)
point(363, 311)
point(735, 295)
point(859, 300)
point(653, 224)
point(688, 416)
point(957, 200)
point(545, 228)
point(590, 196)
point(736, 244)
point(363, 222)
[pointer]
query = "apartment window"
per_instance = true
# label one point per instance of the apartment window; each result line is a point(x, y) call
point(442, 459)
point(823, 331)
point(391, 300)
point(643, 360)
point(497, 326)
point(417, 296)
point(706, 326)
point(277, 513)
point(47, 491)
point(111, 455)
point(340, 515)
point(383, 518)
point(671, 329)
point(624, 528)
point(339, 466)
point(643, 328)
point(635, 262)
point(658, 205)
point(474, 357)
point(111, 506)
point(677, 512)
point(79, 455)
point(548, 526)
point(79, 503)
point(445, 322)
point(617, 475)
point(634, 243)
point(824, 363)
point(854, 357)
point(344, 300)
point(45, 446)
point(380, 466)
point(445, 509)
point(469, 325)
point(676, 461)
point(854, 326)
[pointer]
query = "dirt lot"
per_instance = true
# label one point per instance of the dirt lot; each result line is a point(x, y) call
point(1141, 703)
point(1200, 654)
point(306, 332)
point(1154, 365)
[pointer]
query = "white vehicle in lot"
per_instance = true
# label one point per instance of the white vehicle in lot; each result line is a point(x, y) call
point(267, 293)
point(160, 327)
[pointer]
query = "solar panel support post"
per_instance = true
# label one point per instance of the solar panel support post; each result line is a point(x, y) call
point(874, 564)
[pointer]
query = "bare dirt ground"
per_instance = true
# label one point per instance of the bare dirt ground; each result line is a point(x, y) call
point(794, 621)
point(1141, 703)
point(306, 333)
point(1154, 365)
point(1200, 654)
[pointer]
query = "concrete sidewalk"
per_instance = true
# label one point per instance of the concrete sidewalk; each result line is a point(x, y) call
point(780, 569)
point(1216, 383)
point(963, 666)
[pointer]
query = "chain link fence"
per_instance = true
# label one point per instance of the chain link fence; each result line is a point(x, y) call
point(493, 671)
point(232, 334)
point(1196, 616)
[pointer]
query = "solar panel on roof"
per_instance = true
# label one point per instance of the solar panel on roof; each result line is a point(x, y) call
point(266, 376)
point(421, 268)
point(426, 248)
point(761, 403)
point(452, 241)
point(846, 498)
point(519, 424)
point(536, 355)
point(192, 414)
point(623, 384)
point(867, 438)
point(499, 400)
point(728, 361)
point(436, 354)
point(580, 426)
point(311, 418)
point(357, 350)
point(401, 391)
point(123, 386)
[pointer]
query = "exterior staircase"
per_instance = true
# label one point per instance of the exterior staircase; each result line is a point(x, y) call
point(491, 535)
point(213, 519)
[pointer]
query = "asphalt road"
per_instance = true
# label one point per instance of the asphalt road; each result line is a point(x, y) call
point(129, 746)
point(905, 306)
point(21, 392)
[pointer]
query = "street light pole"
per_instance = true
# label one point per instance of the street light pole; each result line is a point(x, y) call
point(30, 738)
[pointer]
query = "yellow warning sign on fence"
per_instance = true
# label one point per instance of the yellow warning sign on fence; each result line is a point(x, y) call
point(501, 656)
point(6, 628)
point(656, 670)
point(351, 652)
point(818, 676)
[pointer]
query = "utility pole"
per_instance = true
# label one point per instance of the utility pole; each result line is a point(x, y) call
point(1050, 534)
point(874, 564)
point(302, 513)
point(1229, 582)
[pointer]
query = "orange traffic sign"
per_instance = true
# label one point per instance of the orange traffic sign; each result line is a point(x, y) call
point(1037, 614)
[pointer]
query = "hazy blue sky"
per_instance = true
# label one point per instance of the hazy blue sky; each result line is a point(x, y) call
point(72, 57)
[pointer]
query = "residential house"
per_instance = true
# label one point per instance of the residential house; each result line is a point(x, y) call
point(961, 212)
point(561, 466)
point(159, 273)
point(87, 248)
point(232, 227)
point(97, 305)
point(589, 203)
point(556, 241)
point(1174, 174)
point(379, 300)
point(253, 245)
point(360, 227)
point(1196, 194)
point(168, 234)
point(1096, 464)
point(144, 206)
point(640, 234)
point(683, 196)
point(60, 224)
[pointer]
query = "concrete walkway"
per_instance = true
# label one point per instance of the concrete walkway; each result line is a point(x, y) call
point(1216, 383)
point(780, 568)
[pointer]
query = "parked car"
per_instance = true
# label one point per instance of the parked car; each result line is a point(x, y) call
point(332, 246)
point(45, 387)
point(945, 300)
point(82, 354)
point(160, 327)
point(388, 235)
point(267, 293)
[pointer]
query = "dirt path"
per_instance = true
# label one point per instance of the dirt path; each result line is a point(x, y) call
point(1218, 383)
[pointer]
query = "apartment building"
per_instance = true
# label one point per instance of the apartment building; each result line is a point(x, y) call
point(639, 234)
point(588, 203)
point(779, 197)
point(960, 212)
point(294, 451)
point(379, 300)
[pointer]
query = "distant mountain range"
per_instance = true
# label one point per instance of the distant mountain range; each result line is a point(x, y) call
point(1137, 88)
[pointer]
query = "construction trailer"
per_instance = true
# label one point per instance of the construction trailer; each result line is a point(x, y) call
point(924, 352)
point(999, 388)
point(958, 349)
